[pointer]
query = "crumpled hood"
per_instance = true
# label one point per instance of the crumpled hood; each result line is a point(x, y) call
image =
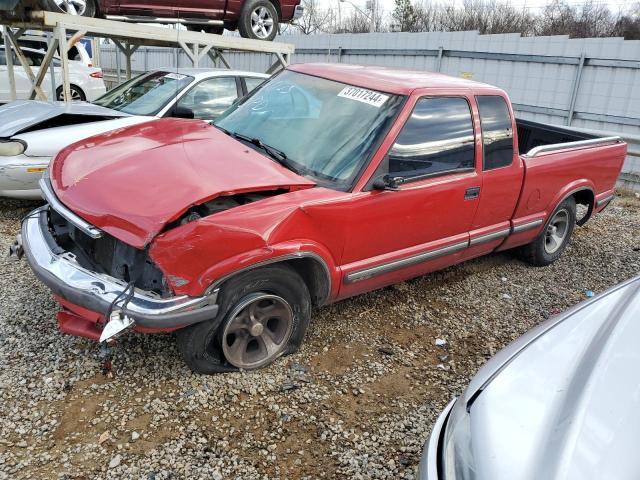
point(568, 405)
point(29, 115)
point(132, 182)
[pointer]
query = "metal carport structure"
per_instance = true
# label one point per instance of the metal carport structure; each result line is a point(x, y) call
point(126, 36)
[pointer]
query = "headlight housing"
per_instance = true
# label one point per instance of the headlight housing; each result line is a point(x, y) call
point(457, 454)
point(11, 148)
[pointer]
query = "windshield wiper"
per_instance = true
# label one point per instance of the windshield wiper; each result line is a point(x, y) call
point(273, 152)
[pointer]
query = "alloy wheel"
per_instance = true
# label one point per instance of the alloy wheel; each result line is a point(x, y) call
point(556, 231)
point(72, 7)
point(75, 95)
point(262, 22)
point(257, 331)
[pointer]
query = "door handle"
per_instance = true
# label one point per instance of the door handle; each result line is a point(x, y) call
point(471, 193)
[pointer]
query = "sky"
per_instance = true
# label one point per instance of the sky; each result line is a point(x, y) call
point(535, 5)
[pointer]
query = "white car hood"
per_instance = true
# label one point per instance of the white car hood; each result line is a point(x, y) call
point(568, 405)
point(48, 142)
point(31, 115)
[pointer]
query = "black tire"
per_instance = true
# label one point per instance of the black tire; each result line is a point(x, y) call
point(215, 29)
point(246, 26)
point(201, 344)
point(542, 251)
point(90, 9)
point(77, 95)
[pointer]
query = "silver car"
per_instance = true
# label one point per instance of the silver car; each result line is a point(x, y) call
point(561, 402)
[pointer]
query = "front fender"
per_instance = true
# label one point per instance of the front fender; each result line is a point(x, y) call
point(199, 256)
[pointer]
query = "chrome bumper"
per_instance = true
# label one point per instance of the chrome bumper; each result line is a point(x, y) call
point(96, 291)
point(428, 468)
point(298, 12)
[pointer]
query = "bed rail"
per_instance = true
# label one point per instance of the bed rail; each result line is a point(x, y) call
point(568, 145)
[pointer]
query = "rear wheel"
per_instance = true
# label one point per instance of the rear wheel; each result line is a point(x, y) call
point(265, 314)
point(77, 95)
point(549, 245)
point(259, 19)
point(83, 8)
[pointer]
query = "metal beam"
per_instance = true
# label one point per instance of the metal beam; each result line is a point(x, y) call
point(10, 71)
point(13, 40)
point(152, 35)
point(128, 50)
point(575, 88)
point(60, 32)
point(52, 71)
point(439, 59)
point(280, 63)
point(216, 55)
point(44, 68)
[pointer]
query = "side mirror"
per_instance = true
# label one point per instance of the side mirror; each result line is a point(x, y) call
point(179, 111)
point(387, 182)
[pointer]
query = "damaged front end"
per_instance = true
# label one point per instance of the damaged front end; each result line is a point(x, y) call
point(103, 285)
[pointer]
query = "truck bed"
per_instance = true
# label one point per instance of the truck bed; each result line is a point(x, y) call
point(559, 161)
point(534, 134)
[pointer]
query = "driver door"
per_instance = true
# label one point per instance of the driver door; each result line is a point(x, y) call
point(423, 225)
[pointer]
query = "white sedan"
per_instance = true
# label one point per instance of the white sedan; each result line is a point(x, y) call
point(32, 132)
point(86, 82)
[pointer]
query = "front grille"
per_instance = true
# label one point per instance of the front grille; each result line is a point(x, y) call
point(108, 255)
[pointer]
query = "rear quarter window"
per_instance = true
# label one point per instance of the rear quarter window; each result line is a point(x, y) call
point(497, 131)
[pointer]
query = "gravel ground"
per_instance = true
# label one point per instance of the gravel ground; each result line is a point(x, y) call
point(358, 401)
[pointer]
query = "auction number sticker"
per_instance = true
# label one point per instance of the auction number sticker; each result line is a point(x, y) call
point(365, 96)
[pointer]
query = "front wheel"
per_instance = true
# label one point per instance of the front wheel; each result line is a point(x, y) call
point(552, 241)
point(265, 314)
point(82, 8)
point(259, 20)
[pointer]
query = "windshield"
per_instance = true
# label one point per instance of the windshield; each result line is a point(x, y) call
point(325, 129)
point(146, 94)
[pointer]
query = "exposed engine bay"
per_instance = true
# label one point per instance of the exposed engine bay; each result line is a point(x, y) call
point(220, 204)
point(117, 259)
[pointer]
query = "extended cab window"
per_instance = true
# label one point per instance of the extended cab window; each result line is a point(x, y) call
point(497, 134)
point(437, 138)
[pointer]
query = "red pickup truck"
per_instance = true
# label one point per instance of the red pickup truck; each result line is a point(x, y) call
point(325, 182)
point(257, 19)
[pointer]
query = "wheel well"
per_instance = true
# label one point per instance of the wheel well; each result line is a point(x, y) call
point(276, 4)
point(587, 198)
point(311, 268)
point(315, 276)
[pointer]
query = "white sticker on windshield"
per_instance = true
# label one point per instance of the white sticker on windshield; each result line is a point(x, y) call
point(175, 76)
point(365, 96)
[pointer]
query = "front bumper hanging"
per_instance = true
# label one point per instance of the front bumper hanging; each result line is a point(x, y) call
point(95, 291)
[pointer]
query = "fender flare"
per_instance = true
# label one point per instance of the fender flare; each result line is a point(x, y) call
point(570, 190)
point(278, 254)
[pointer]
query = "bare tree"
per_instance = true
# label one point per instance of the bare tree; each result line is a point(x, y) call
point(315, 19)
point(589, 19)
point(486, 17)
point(359, 22)
point(628, 24)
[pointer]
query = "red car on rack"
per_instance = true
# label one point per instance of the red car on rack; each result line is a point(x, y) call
point(325, 182)
point(256, 19)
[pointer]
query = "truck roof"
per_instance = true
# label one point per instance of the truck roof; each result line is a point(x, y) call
point(391, 80)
